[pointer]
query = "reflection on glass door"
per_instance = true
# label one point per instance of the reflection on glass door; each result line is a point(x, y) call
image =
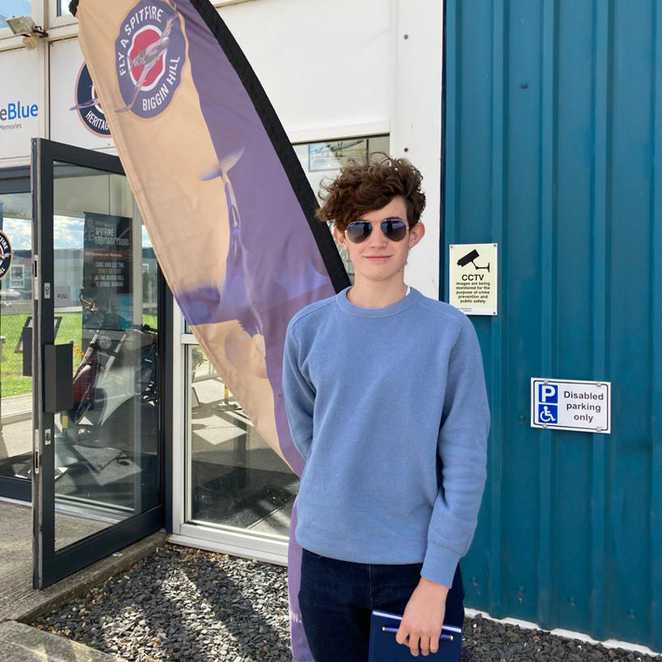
point(106, 443)
point(16, 315)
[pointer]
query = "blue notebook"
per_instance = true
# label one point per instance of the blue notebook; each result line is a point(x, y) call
point(384, 648)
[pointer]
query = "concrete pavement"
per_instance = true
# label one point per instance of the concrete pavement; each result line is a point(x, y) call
point(20, 603)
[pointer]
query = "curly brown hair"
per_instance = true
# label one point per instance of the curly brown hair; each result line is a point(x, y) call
point(359, 188)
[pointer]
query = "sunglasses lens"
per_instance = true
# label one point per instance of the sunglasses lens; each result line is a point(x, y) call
point(358, 231)
point(394, 228)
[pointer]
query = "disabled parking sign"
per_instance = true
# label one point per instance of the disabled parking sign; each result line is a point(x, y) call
point(570, 404)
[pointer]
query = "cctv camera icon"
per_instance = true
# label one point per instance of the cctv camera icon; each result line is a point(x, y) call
point(470, 257)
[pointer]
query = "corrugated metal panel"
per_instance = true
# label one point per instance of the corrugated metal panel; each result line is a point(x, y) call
point(553, 124)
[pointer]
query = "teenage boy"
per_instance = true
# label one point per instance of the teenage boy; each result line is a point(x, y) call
point(385, 397)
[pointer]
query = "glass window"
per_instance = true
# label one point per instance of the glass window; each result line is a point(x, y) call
point(107, 445)
point(10, 8)
point(15, 315)
point(150, 280)
point(234, 479)
point(63, 8)
point(323, 160)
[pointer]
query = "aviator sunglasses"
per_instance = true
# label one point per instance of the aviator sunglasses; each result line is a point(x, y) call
point(394, 228)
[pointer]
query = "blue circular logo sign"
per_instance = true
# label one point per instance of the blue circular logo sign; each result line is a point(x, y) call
point(5, 254)
point(88, 106)
point(149, 57)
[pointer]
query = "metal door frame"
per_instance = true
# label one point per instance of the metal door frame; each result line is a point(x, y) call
point(50, 565)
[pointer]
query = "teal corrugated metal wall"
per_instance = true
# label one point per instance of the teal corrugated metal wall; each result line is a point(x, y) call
point(553, 149)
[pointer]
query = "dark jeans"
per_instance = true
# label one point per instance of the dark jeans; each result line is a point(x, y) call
point(336, 598)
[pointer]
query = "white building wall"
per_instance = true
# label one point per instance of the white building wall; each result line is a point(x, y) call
point(23, 87)
point(331, 70)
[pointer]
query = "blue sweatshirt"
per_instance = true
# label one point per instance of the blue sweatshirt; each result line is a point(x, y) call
point(389, 410)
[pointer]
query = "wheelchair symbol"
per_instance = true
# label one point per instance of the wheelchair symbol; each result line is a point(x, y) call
point(547, 414)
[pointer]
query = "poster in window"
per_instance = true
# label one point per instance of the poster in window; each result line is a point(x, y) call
point(106, 293)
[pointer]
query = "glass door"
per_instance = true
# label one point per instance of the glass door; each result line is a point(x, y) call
point(15, 314)
point(98, 452)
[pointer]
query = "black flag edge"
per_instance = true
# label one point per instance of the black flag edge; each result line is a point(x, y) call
point(279, 140)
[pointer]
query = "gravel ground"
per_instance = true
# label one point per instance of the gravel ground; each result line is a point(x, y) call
point(186, 604)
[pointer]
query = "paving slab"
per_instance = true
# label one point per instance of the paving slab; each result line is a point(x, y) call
point(18, 600)
point(23, 643)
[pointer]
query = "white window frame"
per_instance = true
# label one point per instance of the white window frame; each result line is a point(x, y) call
point(244, 543)
point(55, 21)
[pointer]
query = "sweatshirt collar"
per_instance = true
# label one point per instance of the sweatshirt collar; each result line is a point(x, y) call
point(392, 309)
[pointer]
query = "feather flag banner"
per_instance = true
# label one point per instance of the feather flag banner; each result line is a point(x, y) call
point(222, 195)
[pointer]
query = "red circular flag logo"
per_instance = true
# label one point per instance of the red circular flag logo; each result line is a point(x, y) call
point(149, 57)
point(140, 44)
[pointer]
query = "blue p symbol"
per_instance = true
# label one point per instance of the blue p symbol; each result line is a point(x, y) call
point(548, 393)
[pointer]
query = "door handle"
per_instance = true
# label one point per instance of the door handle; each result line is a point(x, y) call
point(58, 378)
point(26, 345)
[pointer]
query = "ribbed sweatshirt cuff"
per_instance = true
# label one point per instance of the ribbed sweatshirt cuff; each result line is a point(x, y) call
point(439, 565)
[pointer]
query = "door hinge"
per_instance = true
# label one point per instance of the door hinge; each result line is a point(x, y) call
point(36, 461)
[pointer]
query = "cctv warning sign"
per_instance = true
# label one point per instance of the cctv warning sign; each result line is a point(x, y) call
point(473, 278)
